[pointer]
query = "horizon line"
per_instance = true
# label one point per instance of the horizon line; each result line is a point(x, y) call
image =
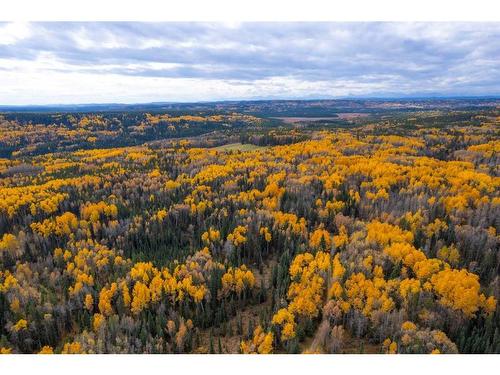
point(416, 97)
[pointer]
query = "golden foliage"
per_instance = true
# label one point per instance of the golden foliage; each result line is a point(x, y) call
point(262, 343)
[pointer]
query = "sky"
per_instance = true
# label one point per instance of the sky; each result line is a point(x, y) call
point(71, 63)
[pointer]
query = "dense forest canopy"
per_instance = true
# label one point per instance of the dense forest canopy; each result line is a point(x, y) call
point(260, 227)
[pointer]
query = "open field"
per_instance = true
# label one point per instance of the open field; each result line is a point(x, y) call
point(239, 147)
point(294, 120)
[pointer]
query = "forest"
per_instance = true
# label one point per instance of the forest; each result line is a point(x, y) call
point(354, 227)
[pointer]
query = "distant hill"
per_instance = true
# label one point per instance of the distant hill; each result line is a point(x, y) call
point(312, 108)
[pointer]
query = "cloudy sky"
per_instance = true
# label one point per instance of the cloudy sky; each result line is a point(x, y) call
point(49, 63)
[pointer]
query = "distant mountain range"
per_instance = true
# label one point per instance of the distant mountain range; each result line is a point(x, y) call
point(255, 106)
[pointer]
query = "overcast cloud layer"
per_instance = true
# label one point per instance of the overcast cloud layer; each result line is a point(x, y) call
point(42, 63)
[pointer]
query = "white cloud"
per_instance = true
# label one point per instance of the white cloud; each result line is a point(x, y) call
point(127, 62)
point(10, 33)
point(66, 88)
